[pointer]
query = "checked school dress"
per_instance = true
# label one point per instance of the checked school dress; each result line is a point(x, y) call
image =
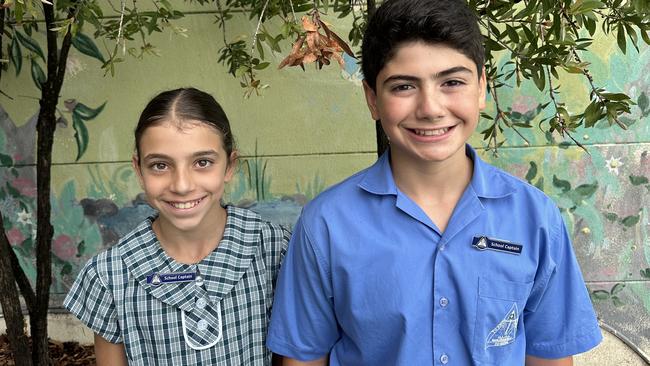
point(214, 312)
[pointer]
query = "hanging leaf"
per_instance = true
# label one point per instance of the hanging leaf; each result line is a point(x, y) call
point(37, 74)
point(16, 55)
point(532, 171)
point(86, 113)
point(562, 184)
point(5, 160)
point(86, 45)
point(80, 135)
point(630, 221)
point(30, 44)
point(638, 180)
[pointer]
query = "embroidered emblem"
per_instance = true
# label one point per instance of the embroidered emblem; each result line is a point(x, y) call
point(506, 331)
point(483, 243)
point(157, 279)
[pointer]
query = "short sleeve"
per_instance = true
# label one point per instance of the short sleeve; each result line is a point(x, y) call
point(91, 302)
point(275, 240)
point(303, 324)
point(562, 322)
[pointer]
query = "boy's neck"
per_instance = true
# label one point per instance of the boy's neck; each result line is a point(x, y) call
point(190, 247)
point(435, 186)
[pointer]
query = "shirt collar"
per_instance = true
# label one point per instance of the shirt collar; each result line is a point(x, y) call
point(221, 269)
point(487, 181)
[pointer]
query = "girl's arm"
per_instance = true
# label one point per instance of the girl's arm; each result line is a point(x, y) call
point(292, 362)
point(109, 354)
point(534, 361)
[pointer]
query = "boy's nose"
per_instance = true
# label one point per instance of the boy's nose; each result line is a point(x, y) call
point(182, 181)
point(430, 106)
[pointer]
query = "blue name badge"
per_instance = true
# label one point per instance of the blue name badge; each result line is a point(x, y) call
point(160, 278)
point(483, 243)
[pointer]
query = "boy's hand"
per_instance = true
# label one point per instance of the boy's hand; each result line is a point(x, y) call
point(535, 361)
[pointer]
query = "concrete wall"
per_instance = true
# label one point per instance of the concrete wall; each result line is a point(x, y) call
point(309, 130)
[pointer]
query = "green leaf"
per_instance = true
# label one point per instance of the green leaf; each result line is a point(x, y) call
point(617, 288)
point(16, 55)
point(80, 135)
point(532, 171)
point(81, 248)
point(6, 160)
point(638, 180)
point(587, 190)
point(645, 273)
point(87, 46)
point(617, 302)
point(261, 65)
point(30, 44)
point(631, 220)
point(611, 216)
point(540, 183)
point(600, 295)
point(620, 38)
point(37, 74)
point(643, 101)
point(66, 269)
point(562, 184)
point(86, 113)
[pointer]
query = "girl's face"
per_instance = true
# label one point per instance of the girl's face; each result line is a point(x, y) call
point(183, 172)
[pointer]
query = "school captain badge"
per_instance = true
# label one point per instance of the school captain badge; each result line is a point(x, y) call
point(506, 331)
point(157, 279)
point(484, 242)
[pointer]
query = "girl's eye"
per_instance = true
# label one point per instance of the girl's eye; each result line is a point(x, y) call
point(203, 163)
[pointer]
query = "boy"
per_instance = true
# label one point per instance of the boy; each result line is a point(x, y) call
point(430, 256)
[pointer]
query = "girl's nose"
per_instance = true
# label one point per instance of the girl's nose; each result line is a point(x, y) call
point(182, 181)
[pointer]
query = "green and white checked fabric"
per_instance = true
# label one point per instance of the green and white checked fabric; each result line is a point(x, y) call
point(220, 318)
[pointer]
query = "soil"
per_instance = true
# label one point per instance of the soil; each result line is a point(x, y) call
point(61, 353)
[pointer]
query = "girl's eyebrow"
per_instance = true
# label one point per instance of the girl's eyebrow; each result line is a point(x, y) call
point(438, 75)
point(204, 153)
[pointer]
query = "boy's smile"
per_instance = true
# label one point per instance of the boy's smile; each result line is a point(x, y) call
point(428, 98)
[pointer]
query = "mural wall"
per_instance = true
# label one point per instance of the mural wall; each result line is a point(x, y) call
point(307, 131)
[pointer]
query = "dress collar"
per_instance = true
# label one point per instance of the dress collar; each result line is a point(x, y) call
point(221, 269)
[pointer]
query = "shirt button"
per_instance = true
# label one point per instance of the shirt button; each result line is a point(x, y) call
point(202, 324)
point(201, 303)
point(444, 302)
point(444, 358)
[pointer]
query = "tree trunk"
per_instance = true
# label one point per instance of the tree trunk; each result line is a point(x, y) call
point(13, 315)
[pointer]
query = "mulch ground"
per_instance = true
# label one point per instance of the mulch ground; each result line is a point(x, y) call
point(61, 353)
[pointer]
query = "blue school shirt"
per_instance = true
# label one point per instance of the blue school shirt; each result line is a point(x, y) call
point(370, 280)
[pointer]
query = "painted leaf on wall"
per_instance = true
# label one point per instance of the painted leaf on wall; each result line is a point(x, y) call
point(86, 113)
point(37, 74)
point(80, 135)
point(16, 55)
point(87, 46)
point(30, 44)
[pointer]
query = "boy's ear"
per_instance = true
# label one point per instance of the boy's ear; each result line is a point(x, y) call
point(482, 84)
point(135, 163)
point(371, 100)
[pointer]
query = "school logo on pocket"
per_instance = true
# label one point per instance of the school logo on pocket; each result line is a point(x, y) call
point(506, 331)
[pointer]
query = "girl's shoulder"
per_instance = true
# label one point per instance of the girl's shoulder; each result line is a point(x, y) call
point(272, 237)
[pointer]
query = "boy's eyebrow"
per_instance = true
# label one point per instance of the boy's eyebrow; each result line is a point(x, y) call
point(441, 74)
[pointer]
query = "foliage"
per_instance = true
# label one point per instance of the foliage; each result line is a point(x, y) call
point(542, 41)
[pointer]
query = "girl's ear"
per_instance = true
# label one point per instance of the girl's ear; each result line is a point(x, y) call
point(233, 159)
point(135, 163)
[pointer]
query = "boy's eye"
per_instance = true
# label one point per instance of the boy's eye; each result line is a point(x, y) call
point(453, 83)
point(203, 163)
point(402, 87)
point(158, 166)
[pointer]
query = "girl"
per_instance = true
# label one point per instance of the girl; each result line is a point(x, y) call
point(192, 285)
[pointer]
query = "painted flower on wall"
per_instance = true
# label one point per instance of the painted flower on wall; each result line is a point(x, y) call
point(63, 247)
point(25, 186)
point(15, 236)
point(612, 164)
point(24, 217)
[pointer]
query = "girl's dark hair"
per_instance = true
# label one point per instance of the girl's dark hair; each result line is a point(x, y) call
point(185, 105)
point(449, 22)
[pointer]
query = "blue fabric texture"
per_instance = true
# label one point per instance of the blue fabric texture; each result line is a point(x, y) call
point(370, 280)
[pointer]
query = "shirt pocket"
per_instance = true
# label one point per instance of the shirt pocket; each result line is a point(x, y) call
point(499, 318)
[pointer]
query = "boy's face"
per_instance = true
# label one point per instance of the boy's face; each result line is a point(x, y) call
point(428, 98)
